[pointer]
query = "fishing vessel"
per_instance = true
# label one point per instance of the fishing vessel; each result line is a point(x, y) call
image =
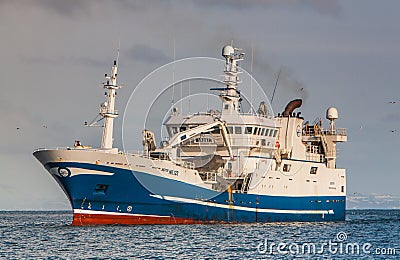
point(222, 166)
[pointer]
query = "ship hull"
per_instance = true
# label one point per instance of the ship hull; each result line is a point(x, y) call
point(101, 194)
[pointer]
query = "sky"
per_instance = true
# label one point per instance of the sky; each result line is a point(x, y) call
point(54, 54)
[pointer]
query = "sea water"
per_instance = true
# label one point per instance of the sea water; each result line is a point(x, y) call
point(366, 234)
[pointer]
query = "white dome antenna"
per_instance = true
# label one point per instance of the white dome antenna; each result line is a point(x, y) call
point(332, 114)
point(228, 51)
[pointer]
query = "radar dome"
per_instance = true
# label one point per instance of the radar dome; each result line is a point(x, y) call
point(332, 113)
point(228, 51)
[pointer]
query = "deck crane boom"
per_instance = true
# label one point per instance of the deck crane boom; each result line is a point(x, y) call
point(206, 128)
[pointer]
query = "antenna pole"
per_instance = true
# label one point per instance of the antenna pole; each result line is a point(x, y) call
point(207, 105)
point(251, 79)
point(276, 84)
point(173, 81)
point(119, 45)
point(181, 101)
point(189, 100)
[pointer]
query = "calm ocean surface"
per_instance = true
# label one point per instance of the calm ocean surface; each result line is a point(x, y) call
point(48, 235)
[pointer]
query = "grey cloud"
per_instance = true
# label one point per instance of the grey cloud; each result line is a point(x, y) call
point(393, 116)
point(6, 187)
point(74, 8)
point(86, 61)
point(79, 8)
point(71, 7)
point(142, 5)
point(67, 8)
point(142, 52)
point(331, 7)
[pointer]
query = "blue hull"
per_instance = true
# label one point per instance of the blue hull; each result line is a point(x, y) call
point(148, 199)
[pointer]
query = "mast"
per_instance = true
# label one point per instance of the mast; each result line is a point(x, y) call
point(107, 110)
point(230, 95)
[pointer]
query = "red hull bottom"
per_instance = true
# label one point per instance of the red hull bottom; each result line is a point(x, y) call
point(85, 219)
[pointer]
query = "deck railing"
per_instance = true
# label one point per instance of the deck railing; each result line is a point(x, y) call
point(336, 131)
point(318, 131)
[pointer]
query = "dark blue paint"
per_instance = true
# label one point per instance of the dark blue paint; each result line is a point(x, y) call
point(127, 188)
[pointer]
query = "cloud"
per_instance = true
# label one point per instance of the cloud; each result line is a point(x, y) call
point(392, 117)
point(77, 8)
point(142, 52)
point(331, 7)
point(66, 8)
point(69, 8)
point(88, 8)
point(70, 60)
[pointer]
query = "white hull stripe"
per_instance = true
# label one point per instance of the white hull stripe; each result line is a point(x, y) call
point(217, 205)
point(97, 212)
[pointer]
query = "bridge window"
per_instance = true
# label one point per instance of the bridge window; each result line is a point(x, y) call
point(230, 129)
point(271, 132)
point(248, 130)
point(275, 132)
point(238, 130)
point(216, 130)
point(255, 130)
point(183, 128)
point(266, 132)
point(229, 166)
point(262, 131)
point(313, 170)
point(174, 130)
point(286, 167)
